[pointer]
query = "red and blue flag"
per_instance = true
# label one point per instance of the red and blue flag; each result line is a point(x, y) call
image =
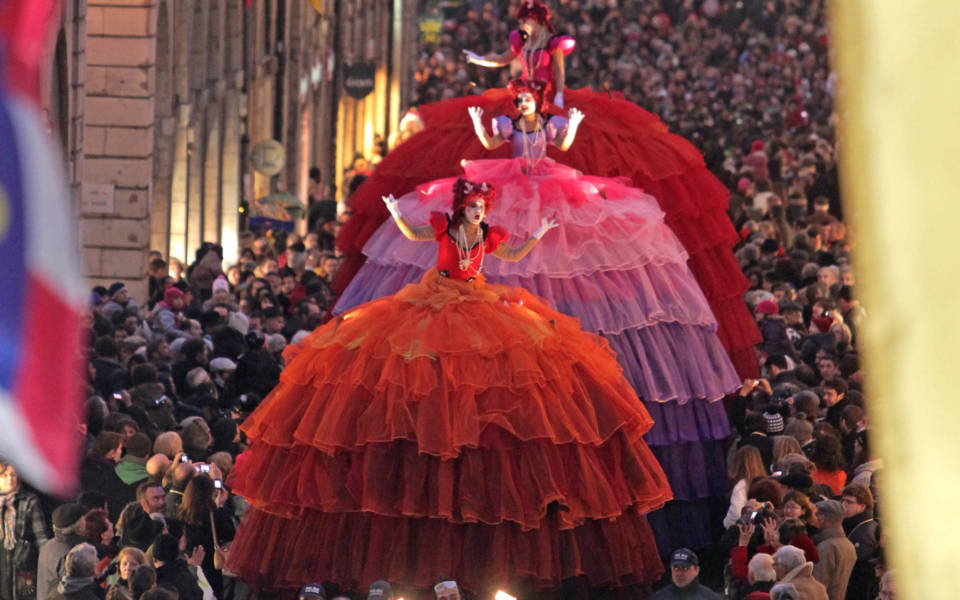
point(41, 290)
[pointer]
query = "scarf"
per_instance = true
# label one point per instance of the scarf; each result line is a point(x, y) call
point(9, 507)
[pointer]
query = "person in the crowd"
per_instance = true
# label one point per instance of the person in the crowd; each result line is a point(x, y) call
point(684, 572)
point(208, 524)
point(863, 531)
point(837, 554)
point(792, 567)
point(68, 521)
point(77, 582)
point(22, 534)
point(760, 576)
point(747, 467)
point(174, 570)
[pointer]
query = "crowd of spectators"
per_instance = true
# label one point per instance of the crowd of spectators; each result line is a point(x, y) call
point(172, 374)
point(747, 82)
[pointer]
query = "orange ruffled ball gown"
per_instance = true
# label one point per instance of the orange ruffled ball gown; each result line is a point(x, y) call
point(455, 428)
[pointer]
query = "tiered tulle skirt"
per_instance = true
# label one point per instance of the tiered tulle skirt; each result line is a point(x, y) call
point(455, 429)
point(616, 266)
point(617, 138)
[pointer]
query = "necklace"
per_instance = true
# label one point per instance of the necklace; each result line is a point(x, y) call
point(465, 252)
point(530, 161)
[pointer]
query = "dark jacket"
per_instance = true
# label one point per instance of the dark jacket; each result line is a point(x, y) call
point(863, 531)
point(179, 575)
point(694, 591)
point(50, 565)
point(762, 443)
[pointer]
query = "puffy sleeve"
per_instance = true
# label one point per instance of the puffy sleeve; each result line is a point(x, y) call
point(439, 222)
point(564, 42)
point(495, 236)
point(556, 129)
point(502, 126)
point(516, 41)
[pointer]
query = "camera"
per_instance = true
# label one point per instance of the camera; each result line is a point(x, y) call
point(203, 468)
point(184, 458)
point(117, 396)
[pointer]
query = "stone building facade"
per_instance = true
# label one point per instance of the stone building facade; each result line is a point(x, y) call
point(158, 104)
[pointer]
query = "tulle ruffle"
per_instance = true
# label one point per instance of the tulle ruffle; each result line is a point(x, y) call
point(355, 549)
point(457, 358)
point(623, 228)
point(457, 423)
point(502, 481)
point(617, 138)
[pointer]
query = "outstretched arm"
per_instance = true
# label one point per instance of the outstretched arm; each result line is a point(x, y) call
point(490, 60)
point(515, 254)
point(559, 75)
point(489, 141)
point(576, 116)
point(417, 234)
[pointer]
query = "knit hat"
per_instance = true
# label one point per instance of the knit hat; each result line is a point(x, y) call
point(239, 321)
point(767, 307)
point(831, 509)
point(137, 445)
point(790, 305)
point(221, 284)
point(774, 422)
point(115, 288)
point(171, 294)
point(66, 515)
point(380, 590)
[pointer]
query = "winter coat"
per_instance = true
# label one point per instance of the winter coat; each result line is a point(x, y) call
point(837, 556)
point(51, 565)
point(802, 579)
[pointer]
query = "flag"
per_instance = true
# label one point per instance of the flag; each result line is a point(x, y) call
point(41, 291)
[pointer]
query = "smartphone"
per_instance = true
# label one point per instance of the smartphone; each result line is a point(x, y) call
point(218, 484)
point(117, 396)
point(203, 468)
point(184, 458)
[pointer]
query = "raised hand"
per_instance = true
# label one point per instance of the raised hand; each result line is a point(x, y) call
point(476, 115)
point(393, 205)
point(576, 116)
point(545, 226)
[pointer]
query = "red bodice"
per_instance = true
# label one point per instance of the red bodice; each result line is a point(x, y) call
point(448, 260)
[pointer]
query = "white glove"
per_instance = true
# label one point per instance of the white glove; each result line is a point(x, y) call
point(545, 226)
point(393, 205)
point(558, 99)
point(472, 57)
point(476, 115)
point(576, 116)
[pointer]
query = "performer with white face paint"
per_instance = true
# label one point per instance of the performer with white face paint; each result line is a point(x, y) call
point(455, 427)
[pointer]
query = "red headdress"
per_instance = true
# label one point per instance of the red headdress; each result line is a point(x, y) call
point(535, 10)
point(464, 191)
point(540, 95)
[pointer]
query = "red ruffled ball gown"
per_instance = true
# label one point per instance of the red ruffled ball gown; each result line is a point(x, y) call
point(617, 139)
point(457, 428)
point(622, 272)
